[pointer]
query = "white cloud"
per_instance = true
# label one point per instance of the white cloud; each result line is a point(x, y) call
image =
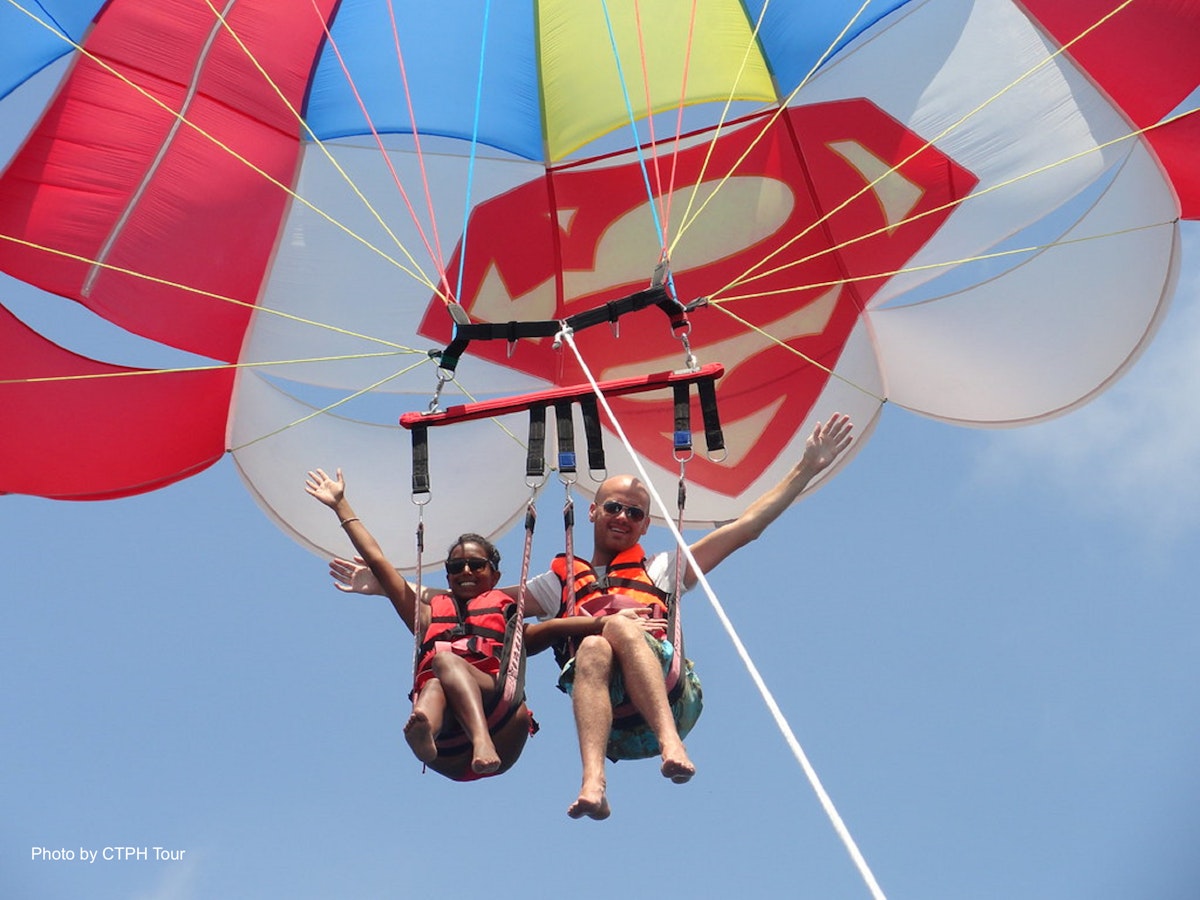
point(1134, 453)
point(178, 882)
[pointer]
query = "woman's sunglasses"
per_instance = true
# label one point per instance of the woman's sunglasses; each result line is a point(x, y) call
point(632, 513)
point(456, 566)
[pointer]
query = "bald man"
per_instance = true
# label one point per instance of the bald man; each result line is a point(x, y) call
point(621, 653)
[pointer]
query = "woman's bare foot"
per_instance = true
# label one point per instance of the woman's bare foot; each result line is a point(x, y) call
point(485, 760)
point(420, 737)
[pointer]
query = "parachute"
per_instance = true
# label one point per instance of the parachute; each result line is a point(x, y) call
point(969, 209)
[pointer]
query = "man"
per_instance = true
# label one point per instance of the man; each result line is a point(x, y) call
point(621, 654)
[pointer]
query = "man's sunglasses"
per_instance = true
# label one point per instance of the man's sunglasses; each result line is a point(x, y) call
point(632, 513)
point(456, 566)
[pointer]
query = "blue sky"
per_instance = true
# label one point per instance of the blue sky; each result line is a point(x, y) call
point(986, 642)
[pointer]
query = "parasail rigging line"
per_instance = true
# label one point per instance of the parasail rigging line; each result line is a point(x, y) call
point(200, 292)
point(766, 335)
point(462, 256)
point(669, 192)
point(751, 44)
point(415, 272)
point(690, 217)
point(716, 299)
point(662, 198)
point(781, 722)
point(210, 368)
point(412, 118)
point(949, 129)
point(325, 409)
point(422, 277)
point(135, 197)
point(720, 303)
point(638, 149)
point(387, 160)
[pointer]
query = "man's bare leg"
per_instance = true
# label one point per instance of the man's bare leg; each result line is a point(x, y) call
point(647, 689)
point(593, 722)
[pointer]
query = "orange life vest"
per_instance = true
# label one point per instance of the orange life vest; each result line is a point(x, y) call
point(476, 632)
point(625, 584)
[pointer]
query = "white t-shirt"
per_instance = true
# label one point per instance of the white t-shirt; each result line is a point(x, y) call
point(543, 593)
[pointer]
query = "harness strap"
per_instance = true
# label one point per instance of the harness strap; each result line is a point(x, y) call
point(592, 432)
point(565, 423)
point(535, 458)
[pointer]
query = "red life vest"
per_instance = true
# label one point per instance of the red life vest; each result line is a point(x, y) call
point(625, 584)
point(475, 633)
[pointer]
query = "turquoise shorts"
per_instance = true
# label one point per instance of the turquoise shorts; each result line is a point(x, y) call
point(634, 739)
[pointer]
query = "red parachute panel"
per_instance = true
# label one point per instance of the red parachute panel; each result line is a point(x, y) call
point(158, 190)
point(1145, 58)
point(95, 438)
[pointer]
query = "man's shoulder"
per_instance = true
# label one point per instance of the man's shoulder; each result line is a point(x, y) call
point(661, 568)
point(545, 589)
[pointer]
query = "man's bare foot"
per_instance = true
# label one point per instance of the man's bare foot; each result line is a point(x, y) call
point(676, 765)
point(420, 737)
point(593, 804)
point(485, 761)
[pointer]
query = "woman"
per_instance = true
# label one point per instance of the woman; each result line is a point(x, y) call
point(463, 641)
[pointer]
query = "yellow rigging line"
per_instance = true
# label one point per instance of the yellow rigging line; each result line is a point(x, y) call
point(44, 379)
point(945, 206)
point(204, 293)
point(722, 306)
point(945, 264)
point(422, 277)
point(929, 143)
point(750, 275)
point(415, 274)
point(689, 217)
point(325, 409)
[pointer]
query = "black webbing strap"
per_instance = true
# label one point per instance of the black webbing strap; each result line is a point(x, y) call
point(535, 459)
point(713, 436)
point(566, 437)
point(420, 460)
point(683, 418)
point(592, 433)
point(614, 309)
point(466, 332)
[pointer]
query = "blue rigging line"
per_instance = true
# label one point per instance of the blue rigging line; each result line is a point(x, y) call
point(633, 125)
point(462, 256)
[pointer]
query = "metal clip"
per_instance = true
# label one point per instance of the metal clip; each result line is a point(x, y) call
point(443, 376)
point(689, 359)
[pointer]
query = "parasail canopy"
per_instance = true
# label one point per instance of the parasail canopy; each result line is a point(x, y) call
point(966, 208)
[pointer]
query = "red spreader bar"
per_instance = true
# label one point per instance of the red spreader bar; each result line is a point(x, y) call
point(501, 406)
point(562, 399)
